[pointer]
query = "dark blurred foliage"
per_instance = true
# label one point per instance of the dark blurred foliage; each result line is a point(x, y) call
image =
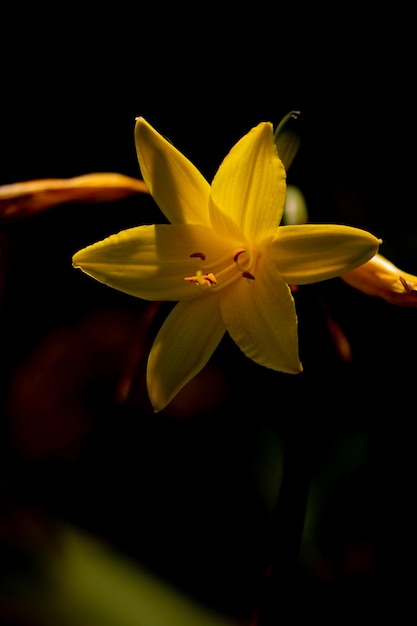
point(190, 492)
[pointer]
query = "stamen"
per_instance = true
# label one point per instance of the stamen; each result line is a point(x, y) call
point(210, 277)
point(200, 255)
point(237, 253)
point(248, 275)
point(245, 273)
point(409, 287)
point(202, 280)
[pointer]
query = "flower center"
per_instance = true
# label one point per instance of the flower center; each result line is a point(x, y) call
point(240, 258)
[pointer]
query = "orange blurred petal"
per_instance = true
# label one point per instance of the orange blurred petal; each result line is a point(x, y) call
point(379, 277)
point(18, 200)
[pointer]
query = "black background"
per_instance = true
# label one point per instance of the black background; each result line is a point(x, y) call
point(179, 494)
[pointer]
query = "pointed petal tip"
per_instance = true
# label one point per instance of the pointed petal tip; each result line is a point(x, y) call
point(141, 125)
point(291, 369)
point(158, 399)
point(77, 258)
point(74, 260)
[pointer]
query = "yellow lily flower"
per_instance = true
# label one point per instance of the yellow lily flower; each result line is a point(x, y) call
point(223, 258)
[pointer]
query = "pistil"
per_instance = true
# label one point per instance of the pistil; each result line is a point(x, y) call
point(203, 280)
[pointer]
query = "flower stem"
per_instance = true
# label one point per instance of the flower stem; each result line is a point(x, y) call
point(280, 593)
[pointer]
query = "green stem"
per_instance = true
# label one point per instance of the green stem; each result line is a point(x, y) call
point(287, 528)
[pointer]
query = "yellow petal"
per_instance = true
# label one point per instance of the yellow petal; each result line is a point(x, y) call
point(249, 188)
point(261, 318)
point(176, 185)
point(307, 253)
point(184, 344)
point(151, 262)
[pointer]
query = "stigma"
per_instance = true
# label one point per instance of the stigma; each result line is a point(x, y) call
point(202, 280)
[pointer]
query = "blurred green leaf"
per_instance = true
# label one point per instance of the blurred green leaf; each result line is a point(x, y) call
point(84, 583)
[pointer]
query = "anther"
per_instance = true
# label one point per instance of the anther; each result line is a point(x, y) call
point(237, 253)
point(200, 255)
point(409, 287)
